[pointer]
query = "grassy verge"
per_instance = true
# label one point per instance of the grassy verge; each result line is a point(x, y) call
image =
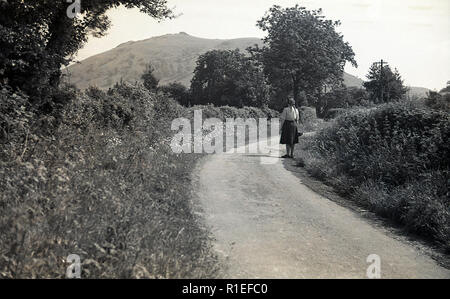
point(99, 179)
point(392, 160)
point(104, 184)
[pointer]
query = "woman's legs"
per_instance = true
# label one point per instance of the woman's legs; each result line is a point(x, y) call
point(288, 151)
point(292, 151)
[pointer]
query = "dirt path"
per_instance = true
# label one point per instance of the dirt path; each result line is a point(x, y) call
point(267, 224)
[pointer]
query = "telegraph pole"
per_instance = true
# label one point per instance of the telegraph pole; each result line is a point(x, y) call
point(381, 82)
point(382, 63)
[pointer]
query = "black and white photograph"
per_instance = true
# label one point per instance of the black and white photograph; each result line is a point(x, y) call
point(224, 147)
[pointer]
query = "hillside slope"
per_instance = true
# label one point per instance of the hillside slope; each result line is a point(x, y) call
point(172, 55)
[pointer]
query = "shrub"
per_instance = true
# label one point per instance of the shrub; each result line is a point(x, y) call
point(308, 119)
point(340, 98)
point(104, 185)
point(393, 159)
point(149, 79)
point(16, 121)
point(438, 101)
point(392, 143)
point(224, 112)
point(178, 92)
point(334, 112)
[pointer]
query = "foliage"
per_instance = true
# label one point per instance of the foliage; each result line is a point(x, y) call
point(16, 121)
point(149, 79)
point(384, 85)
point(341, 97)
point(394, 160)
point(308, 120)
point(302, 50)
point(446, 89)
point(224, 112)
point(438, 101)
point(178, 92)
point(102, 183)
point(225, 77)
point(37, 37)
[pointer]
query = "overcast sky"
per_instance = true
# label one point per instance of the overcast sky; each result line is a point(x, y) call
point(412, 35)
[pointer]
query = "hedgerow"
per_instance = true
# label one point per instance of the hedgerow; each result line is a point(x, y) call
point(101, 182)
point(224, 112)
point(392, 159)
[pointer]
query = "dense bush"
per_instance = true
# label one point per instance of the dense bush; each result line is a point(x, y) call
point(103, 183)
point(224, 112)
point(178, 92)
point(393, 159)
point(341, 98)
point(438, 101)
point(15, 122)
point(149, 79)
point(308, 119)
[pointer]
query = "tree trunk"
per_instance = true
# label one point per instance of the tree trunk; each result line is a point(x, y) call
point(296, 92)
point(59, 33)
point(319, 99)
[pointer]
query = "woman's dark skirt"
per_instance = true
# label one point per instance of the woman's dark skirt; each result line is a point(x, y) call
point(289, 132)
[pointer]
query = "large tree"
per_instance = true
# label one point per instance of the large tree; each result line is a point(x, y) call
point(38, 37)
point(228, 77)
point(383, 84)
point(149, 79)
point(302, 51)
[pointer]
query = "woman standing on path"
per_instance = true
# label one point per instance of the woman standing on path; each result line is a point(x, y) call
point(289, 131)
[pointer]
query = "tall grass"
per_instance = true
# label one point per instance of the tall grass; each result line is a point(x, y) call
point(393, 160)
point(102, 183)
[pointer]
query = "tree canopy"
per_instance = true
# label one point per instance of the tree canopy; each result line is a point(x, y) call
point(302, 51)
point(228, 77)
point(149, 79)
point(447, 88)
point(383, 84)
point(37, 37)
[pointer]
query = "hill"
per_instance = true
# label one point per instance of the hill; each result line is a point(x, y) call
point(420, 92)
point(352, 81)
point(172, 55)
